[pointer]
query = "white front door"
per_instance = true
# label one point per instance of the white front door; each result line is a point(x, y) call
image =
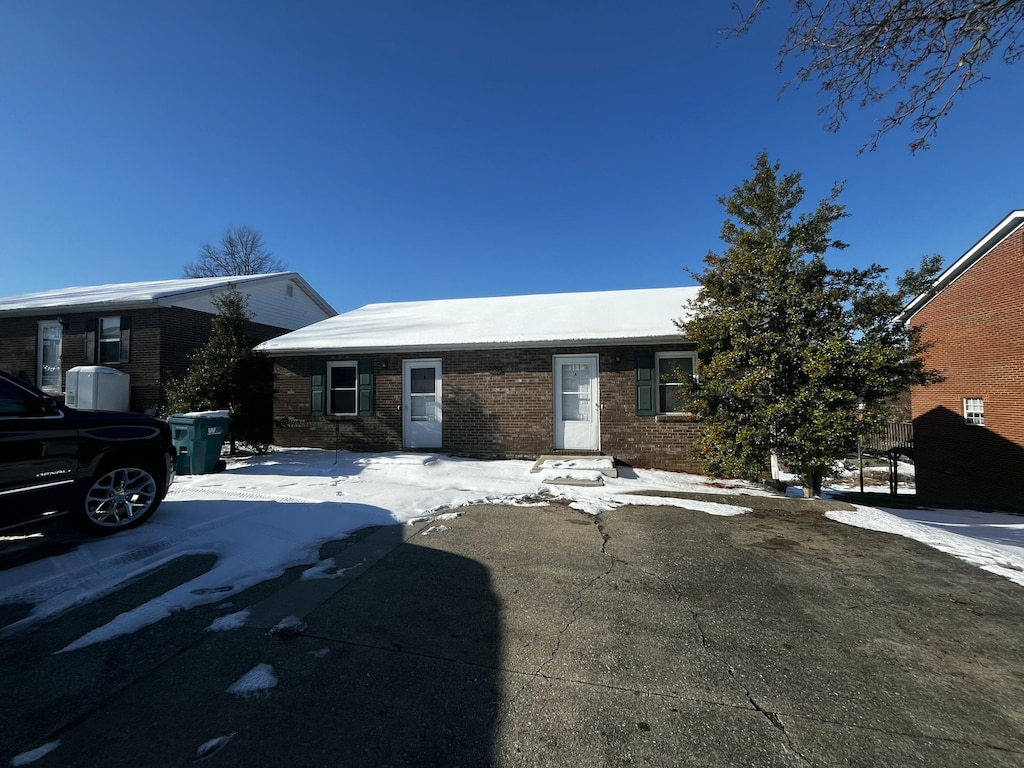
point(577, 403)
point(421, 403)
point(48, 359)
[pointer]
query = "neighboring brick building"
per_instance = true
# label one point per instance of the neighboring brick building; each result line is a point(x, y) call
point(147, 330)
point(503, 377)
point(969, 430)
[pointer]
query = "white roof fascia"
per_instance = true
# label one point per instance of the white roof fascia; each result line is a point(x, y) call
point(315, 297)
point(990, 241)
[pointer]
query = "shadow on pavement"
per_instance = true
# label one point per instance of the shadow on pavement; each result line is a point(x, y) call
point(389, 666)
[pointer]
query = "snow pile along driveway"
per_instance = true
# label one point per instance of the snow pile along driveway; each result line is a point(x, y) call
point(266, 514)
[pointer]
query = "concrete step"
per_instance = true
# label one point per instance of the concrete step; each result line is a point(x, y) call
point(575, 470)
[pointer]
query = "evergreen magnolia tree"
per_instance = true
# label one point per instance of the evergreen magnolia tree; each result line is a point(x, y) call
point(229, 374)
point(796, 358)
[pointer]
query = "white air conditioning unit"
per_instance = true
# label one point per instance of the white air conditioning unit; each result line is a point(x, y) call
point(97, 388)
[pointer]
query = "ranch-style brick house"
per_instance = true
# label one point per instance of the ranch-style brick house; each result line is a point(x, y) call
point(501, 377)
point(147, 329)
point(969, 430)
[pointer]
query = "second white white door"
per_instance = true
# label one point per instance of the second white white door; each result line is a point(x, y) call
point(577, 403)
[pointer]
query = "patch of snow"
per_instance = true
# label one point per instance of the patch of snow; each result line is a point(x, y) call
point(550, 474)
point(256, 682)
point(231, 621)
point(120, 293)
point(34, 754)
point(265, 514)
point(990, 540)
point(499, 320)
point(435, 529)
point(597, 506)
point(289, 625)
point(213, 746)
point(326, 569)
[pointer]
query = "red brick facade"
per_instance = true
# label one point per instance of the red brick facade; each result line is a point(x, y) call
point(495, 404)
point(976, 326)
point(162, 340)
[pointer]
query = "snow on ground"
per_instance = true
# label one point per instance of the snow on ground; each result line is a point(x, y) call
point(266, 514)
point(255, 682)
point(991, 541)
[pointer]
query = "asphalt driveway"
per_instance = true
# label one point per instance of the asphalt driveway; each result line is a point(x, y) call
point(536, 636)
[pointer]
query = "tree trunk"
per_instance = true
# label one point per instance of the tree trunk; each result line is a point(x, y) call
point(813, 478)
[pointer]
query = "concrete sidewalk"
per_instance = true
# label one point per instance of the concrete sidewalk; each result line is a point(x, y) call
point(540, 636)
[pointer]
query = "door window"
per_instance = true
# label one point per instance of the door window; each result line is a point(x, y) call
point(576, 396)
point(422, 394)
point(49, 356)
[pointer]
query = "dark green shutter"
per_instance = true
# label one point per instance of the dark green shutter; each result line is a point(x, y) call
point(646, 385)
point(126, 337)
point(365, 387)
point(90, 340)
point(318, 387)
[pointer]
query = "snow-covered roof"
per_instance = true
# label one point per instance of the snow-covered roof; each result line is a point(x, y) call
point(149, 293)
point(634, 316)
point(1013, 221)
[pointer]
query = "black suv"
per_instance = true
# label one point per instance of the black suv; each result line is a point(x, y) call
point(108, 471)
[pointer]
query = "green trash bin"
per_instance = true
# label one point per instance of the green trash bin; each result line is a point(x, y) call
point(197, 439)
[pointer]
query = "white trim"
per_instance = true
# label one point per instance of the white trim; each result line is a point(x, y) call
point(989, 242)
point(974, 414)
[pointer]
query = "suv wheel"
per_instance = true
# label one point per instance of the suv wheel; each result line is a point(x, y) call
point(118, 498)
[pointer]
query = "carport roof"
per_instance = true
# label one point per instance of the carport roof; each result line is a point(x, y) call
point(539, 320)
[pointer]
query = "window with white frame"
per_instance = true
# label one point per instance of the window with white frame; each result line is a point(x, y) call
point(673, 368)
point(974, 411)
point(109, 340)
point(342, 389)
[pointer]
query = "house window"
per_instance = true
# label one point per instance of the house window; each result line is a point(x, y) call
point(974, 411)
point(342, 389)
point(107, 340)
point(672, 367)
point(110, 340)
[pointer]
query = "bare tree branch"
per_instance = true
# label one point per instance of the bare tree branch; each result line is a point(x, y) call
point(918, 55)
point(240, 252)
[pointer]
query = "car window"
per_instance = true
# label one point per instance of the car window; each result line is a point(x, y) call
point(15, 401)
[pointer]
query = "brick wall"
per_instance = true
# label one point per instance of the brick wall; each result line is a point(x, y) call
point(977, 327)
point(162, 341)
point(495, 403)
point(18, 337)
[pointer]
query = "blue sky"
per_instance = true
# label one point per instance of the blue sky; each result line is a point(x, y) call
point(399, 150)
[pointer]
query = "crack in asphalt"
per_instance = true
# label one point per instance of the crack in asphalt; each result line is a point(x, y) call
point(771, 717)
point(573, 617)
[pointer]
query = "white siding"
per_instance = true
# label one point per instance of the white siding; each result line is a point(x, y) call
point(269, 302)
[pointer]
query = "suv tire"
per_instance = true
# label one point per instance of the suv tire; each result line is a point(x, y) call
point(120, 496)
